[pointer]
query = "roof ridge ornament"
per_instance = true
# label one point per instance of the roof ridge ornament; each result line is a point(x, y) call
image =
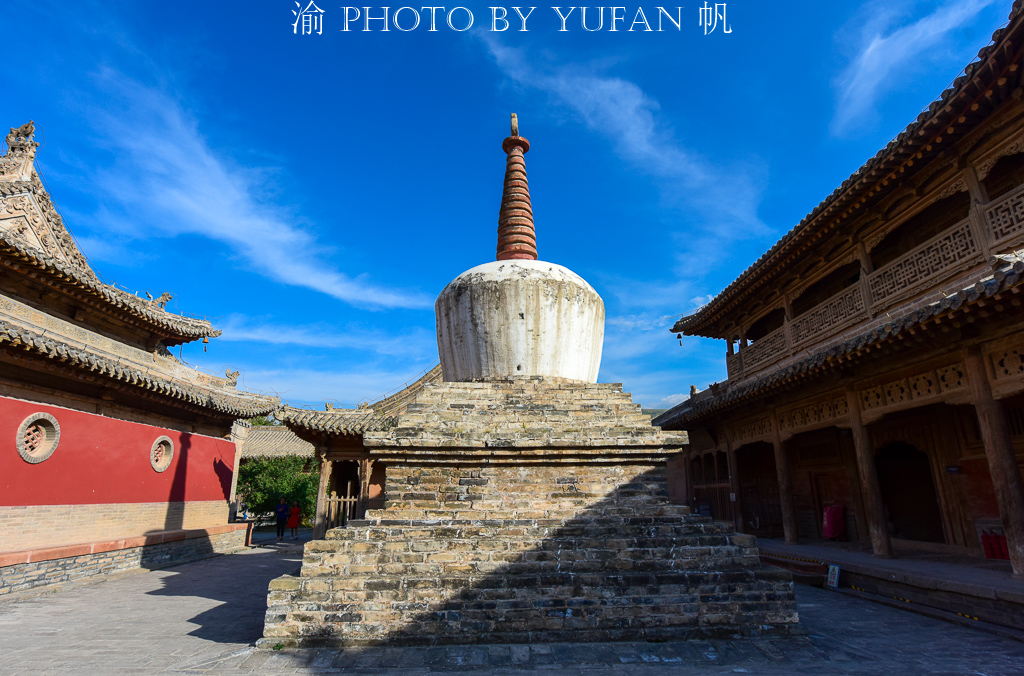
point(18, 163)
point(517, 238)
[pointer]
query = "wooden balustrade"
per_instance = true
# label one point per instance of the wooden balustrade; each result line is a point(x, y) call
point(1005, 217)
point(829, 316)
point(909, 274)
point(732, 365)
point(912, 274)
point(341, 510)
point(765, 350)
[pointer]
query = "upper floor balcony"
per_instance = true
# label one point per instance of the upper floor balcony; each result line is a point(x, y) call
point(921, 274)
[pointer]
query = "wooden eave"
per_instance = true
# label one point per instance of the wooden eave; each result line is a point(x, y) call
point(992, 78)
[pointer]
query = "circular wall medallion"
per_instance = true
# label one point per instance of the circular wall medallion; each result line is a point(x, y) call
point(161, 454)
point(37, 437)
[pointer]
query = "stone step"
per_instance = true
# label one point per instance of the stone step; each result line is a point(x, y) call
point(364, 609)
point(467, 514)
point(511, 550)
point(455, 564)
point(579, 524)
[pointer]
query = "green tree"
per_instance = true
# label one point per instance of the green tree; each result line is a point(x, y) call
point(262, 482)
point(264, 421)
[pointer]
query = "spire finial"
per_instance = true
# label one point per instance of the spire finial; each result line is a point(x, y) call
point(517, 239)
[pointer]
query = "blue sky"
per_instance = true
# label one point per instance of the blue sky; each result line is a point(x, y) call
point(312, 194)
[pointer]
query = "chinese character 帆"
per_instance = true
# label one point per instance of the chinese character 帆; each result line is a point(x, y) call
point(709, 17)
point(309, 20)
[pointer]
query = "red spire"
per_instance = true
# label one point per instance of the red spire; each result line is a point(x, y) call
point(516, 236)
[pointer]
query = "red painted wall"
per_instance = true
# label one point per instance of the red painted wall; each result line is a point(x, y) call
point(102, 460)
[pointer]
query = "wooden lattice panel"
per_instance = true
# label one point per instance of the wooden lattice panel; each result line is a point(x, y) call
point(766, 350)
point(732, 363)
point(813, 413)
point(1008, 363)
point(952, 377)
point(936, 257)
point(1006, 219)
point(829, 315)
point(926, 385)
point(753, 429)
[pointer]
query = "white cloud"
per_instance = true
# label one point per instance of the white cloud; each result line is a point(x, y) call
point(881, 55)
point(414, 342)
point(673, 399)
point(700, 301)
point(726, 199)
point(169, 180)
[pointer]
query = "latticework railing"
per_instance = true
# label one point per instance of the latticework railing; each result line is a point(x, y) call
point(939, 256)
point(1006, 217)
point(828, 316)
point(766, 350)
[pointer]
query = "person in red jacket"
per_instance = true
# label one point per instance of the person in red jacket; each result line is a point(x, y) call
point(293, 520)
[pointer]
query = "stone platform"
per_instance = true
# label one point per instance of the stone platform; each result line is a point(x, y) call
point(522, 511)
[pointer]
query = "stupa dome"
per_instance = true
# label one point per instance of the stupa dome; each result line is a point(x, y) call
point(519, 316)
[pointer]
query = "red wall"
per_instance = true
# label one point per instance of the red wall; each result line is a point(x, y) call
point(102, 460)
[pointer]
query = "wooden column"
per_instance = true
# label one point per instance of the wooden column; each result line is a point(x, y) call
point(1002, 461)
point(734, 487)
point(365, 470)
point(871, 491)
point(239, 433)
point(789, 526)
point(320, 524)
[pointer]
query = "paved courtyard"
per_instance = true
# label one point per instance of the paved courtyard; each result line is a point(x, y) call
point(202, 618)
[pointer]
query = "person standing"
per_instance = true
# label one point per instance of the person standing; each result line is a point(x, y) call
point(282, 518)
point(293, 520)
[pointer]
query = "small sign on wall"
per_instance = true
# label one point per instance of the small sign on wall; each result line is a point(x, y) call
point(952, 469)
point(833, 577)
point(732, 497)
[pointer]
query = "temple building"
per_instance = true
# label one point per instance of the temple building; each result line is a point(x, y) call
point(875, 354)
point(522, 501)
point(113, 453)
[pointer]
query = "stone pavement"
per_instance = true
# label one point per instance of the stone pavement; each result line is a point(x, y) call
point(201, 618)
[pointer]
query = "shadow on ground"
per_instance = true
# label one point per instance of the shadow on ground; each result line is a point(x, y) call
point(239, 585)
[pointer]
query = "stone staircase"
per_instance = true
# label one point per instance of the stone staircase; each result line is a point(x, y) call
point(526, 510)
point(628, 567)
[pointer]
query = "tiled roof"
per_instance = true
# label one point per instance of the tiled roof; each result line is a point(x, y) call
point(264, 441)
point(398, 402)
point(232, 402)
point(1009, 272)
point(15, 254)
point(343, 421)
point(853, 197)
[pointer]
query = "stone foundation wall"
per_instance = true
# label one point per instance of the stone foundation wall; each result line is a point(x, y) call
point(36, 526)
point(23, 576)
point(533, 492)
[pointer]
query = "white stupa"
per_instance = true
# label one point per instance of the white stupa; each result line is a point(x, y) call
point(518, 316)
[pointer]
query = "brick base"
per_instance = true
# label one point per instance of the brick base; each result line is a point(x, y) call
point(20, 571)
point(37, 526)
